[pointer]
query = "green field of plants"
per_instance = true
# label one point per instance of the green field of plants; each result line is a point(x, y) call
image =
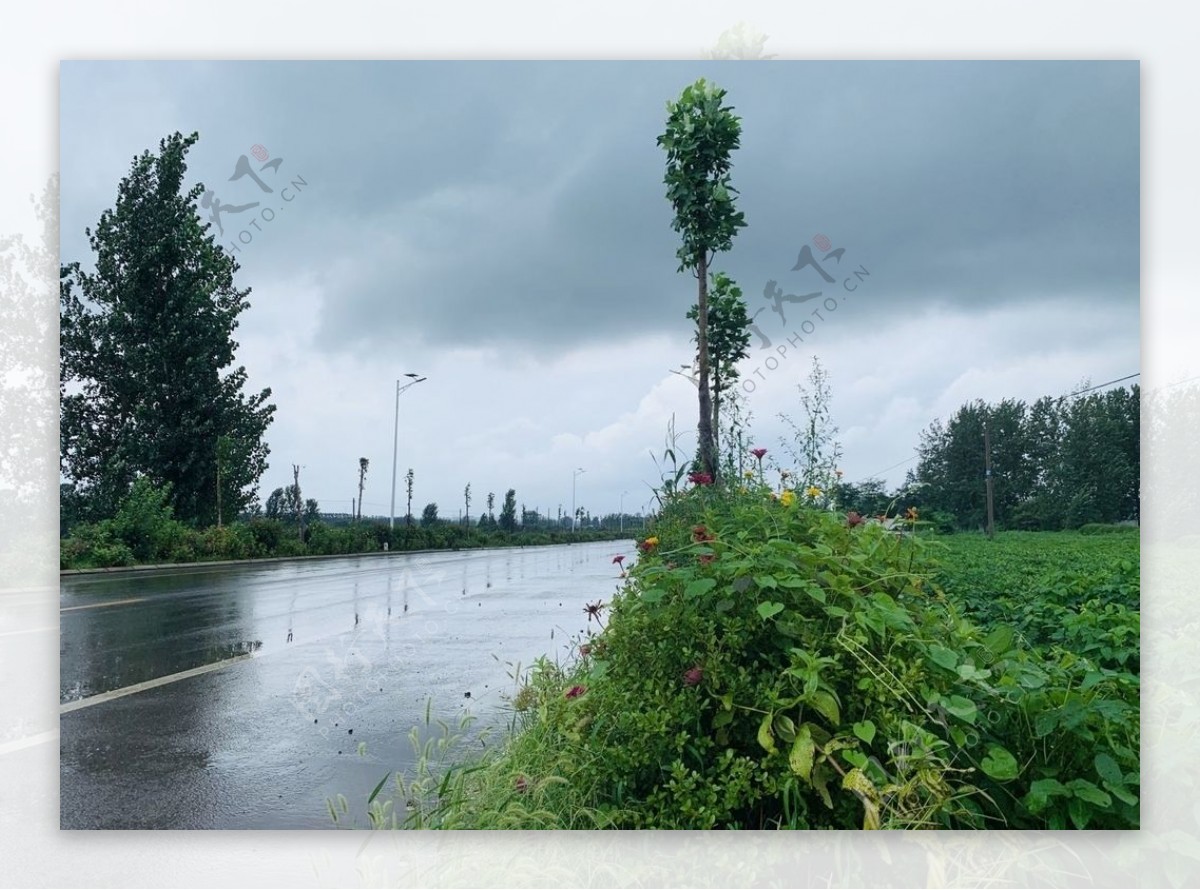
point(770, 664)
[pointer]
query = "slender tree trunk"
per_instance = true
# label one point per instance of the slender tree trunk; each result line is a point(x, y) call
point(705, 428)
point(716, 421)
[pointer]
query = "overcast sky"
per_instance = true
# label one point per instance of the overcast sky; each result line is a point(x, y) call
point(503, 229)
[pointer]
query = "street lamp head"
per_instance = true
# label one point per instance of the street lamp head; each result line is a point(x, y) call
point(412, 375)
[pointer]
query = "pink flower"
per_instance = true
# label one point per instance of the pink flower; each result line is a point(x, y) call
point(853, 519)
point(760, 453)
point(700, 478)
point(576, 691)
point(617, 560)
point(693, 675)
point(522, 785)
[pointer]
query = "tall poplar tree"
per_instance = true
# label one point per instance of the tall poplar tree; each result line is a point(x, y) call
point(147, 383)
point(700, 134)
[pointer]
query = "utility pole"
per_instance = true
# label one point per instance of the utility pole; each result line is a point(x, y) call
point(416, 378)
point(987, 459)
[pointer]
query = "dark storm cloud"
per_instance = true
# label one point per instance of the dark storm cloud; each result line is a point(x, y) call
point(521, 205)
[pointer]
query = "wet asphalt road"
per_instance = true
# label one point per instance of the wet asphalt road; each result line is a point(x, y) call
point(306, 660)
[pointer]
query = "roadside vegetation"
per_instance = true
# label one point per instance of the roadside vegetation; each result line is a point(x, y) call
point(144, 531)
point(772, 664)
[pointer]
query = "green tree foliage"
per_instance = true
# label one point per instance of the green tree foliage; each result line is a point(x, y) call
point(1057, 463)
point(508, 513)
point(700, 135)
point(429, 516)
point(146, 382)
point(276, 506)
point(728, 341)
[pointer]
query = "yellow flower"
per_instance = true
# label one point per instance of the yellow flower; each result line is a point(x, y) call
point(749, 474)
point(813, 491)
point(787, 498)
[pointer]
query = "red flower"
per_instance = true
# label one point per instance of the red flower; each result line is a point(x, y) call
point(700, 478)
point(576, 691)
point(853, 519)
point(522, 785)
point(617, 560)
point(706, 558)
point(693, 675)
point(760, 453)
point(701, 535)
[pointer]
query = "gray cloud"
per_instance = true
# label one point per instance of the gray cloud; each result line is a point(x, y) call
point(521, 204)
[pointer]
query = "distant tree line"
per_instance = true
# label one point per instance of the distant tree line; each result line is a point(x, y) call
point(1058, 463)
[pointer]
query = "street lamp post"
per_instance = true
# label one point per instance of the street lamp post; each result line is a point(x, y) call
point(396, 439)
point(573, 513)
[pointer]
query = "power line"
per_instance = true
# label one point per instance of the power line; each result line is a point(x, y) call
point(892, 467)
point(1072, 395)
point(1099, 385)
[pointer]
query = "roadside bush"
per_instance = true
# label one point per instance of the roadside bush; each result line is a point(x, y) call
point(94, 545)
point(145, 522)
point(769, 664)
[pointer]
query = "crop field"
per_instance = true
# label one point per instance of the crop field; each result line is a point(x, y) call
point(1076, 591)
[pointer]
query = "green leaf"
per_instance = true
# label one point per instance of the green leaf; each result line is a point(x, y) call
point(804, 749)
point(764, 735)
point(943, 657)
point(766, 582)
point(1041, 791)
point(855, 758)
point(1000, 640)
point(821, 775)
point(1108, 770)
point(722, 718)
point(699, 587)
point(769, 609)
point(784, 727)
point(962, 708)
point(865, 731)
point(653, 595)
point(1000, 764)
point(1121, 793)
point(1085, 790)
point(378, 788)
point(723, 606)
point(826, 705)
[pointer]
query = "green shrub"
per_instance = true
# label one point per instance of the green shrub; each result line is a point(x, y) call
point(769, 664)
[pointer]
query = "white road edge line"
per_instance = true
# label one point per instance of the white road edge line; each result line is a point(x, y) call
point(29, 741)
point(149, 684)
